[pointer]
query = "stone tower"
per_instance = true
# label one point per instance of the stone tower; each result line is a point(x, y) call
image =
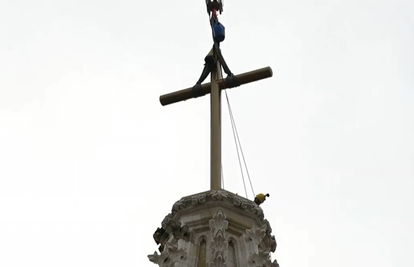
point(215, 228)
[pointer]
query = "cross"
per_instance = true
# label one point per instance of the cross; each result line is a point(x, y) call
point(214, 89)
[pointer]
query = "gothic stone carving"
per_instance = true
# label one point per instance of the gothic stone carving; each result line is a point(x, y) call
point(272, 243)
point(158, 235)
point(260, 259)
point(184, 233)
point(199, 199)
point(218, 261)
point(179, 205)
point(218, 222)
point(261, 236)
point(219, 195)
point(204, 198)
point(256, 234)
point(172, 227)
point(269, 241)
point(219, 244)
point(170, 255)
point(215, 195)
point(274, 264)
point(237, 201)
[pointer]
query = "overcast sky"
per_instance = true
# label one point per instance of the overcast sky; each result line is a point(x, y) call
point(90, 162)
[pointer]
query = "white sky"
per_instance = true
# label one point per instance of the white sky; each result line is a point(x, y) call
point(90, 162)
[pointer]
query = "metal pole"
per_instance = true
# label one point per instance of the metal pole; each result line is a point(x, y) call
point(215, 152)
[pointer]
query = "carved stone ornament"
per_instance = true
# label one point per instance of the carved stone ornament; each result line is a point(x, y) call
point(258, 211)
point(269, 228)
point(199, 199)
point(237, 202)
point(218, 260)
point(273, 244)
point(247, 205)
point(218, 222)
point(219, 195)
point(269, 240)
point(189, 202)
point(158, 235)
point(172, 227)
point(260, 259)
point(274, 264)
point(179, 205)
point(256, 234)
point(184, 233)
point(219, 244)
point(169, 257)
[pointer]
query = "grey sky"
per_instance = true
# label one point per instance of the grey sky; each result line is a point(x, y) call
point(90, 162)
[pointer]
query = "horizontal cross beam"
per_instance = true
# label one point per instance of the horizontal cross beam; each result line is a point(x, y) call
point(241, 79)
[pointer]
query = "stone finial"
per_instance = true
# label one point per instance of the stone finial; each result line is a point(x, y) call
point(169, 257)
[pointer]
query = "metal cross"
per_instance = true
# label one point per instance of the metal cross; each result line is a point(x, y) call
point(214, 88)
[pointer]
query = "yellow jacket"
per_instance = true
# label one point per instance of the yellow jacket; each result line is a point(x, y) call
point(262, 197)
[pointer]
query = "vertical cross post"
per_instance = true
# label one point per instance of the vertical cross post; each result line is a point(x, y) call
point(215, 142)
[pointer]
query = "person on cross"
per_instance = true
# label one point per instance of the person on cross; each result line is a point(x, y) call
point(260, 198)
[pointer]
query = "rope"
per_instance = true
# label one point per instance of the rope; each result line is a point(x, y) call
point(222, 177)
point(238, 145)
point(237, 149)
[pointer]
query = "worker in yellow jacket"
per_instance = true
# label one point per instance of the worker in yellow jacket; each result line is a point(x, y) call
point(260, 198)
